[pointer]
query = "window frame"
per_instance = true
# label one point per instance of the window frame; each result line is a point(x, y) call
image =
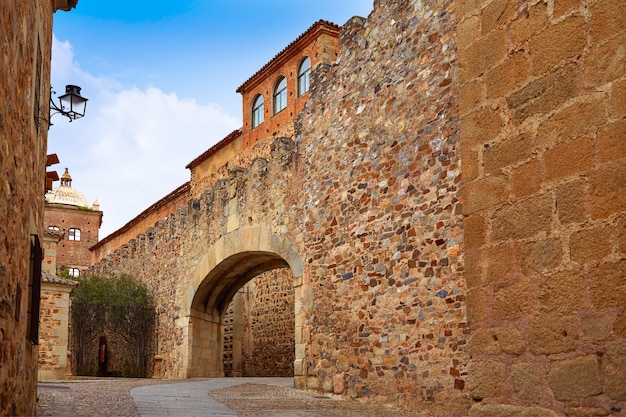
point(258, 110)
point(74, 272)
point(73, 234)
point(280, 95)
point(304, 77)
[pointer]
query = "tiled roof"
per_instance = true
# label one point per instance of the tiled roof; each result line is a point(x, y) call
point(219, 145)
point(53, 279)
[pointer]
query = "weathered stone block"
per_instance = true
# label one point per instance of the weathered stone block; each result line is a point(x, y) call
point(585, 412)
point(532, 19)
point(607, 286)
point(470, 95)
point(486, 379)
point(573, 121)
point(499, 262)
point(616, 370)
point(605, 63)
point(523, 219)
point(541, 256)
point(482, 55)
point(568, 159)
point(478, 304)
point(556, 294)
point(506, 76)
point(526, 378)
point(619, 326)
point(595, 328)
point(474, 231)
point(506, 410)
point(607, 19)
point(527, 178)
point(561, 7)
point(544, 94)
point(572, 201)
point(564, 40)
point(481, 126)
point(496, 340)
point(497, 14)
point(575, 379)
point(590, 245)
point(611, 143)
point(607, 189)
point(514, 301)
point(550, 334)
point(508, 152)
point(339, 383)
point(618, 104)
point(484, 193)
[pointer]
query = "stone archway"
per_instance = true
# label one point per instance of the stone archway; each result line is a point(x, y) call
point(232, 261)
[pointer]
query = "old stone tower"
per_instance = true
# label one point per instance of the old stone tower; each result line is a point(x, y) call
point(448, 205)
point(68, 211)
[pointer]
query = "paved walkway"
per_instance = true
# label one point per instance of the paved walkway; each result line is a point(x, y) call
point(193, 398)
point(214, 397)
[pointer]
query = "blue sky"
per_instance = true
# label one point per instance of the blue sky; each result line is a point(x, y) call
point(161, 80)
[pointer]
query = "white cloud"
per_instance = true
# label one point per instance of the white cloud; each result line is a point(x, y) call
point(132, 146)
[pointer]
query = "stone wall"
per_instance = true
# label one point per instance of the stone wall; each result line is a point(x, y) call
point(26, 38)
point(166, 255)
point(54, 328)
point(382, 214)
point(542, 104)
point(268, 332)
point(427, 194)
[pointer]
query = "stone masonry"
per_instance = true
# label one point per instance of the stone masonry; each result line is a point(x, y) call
point(450, 209)
point(26, 39)
point(542, 105)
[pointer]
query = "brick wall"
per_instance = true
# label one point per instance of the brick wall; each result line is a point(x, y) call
point(26, 36)
point(542, 104)
point(74, 253)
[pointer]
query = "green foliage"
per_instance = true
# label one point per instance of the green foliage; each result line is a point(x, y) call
point(118, 305)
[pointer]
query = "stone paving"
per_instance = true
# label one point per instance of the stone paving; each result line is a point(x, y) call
point(214, 397)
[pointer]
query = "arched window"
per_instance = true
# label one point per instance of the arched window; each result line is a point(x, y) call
point(304, 72)
point(280, 95)
point(73, 234)
point(257, 111)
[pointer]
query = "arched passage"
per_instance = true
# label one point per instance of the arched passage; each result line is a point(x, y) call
point(232, 261)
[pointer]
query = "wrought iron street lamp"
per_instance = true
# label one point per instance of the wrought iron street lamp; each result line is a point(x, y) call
point(71, 104)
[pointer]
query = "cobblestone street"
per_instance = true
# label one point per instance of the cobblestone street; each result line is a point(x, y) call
point(244, 397)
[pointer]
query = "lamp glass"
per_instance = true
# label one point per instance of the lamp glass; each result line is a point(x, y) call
point(72, 103)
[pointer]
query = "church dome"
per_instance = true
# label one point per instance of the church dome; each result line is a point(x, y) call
point(65, 194)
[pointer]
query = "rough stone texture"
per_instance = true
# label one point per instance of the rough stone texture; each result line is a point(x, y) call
point(584, 370)
point(505, 410)
point(558, 158)
point(360, 199)
point(53, 328)
point(26, 39)
point(268, 330)
point(616, 370)
point(527, 381)
point(367, 193)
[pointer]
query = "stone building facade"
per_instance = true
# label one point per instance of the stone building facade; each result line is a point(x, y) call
point(542, 106)
point(26, 33)
point(449, 206)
